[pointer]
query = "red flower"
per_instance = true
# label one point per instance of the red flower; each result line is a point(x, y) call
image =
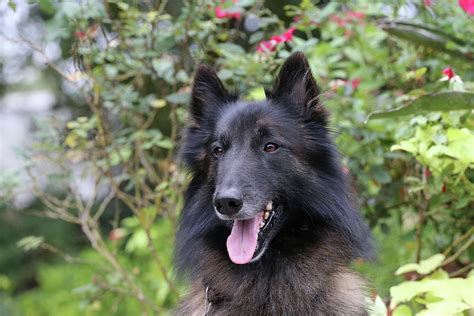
point(443, 189)
point(270, 45)
point(427, 173)
point(449, 72)
point(80, 35)
point(221, 14)
point(355, 83)
point(467, 6)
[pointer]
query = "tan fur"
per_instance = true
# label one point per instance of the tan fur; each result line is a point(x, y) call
point(347, 298)
point(195, 302)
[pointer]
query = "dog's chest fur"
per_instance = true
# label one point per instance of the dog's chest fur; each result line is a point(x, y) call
point(315, 284)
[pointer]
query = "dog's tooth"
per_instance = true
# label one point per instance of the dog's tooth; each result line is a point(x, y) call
point(266, 215)
point(269, 206)
point(262, 224)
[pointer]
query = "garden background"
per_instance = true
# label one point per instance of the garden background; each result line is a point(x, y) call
point(93, 96)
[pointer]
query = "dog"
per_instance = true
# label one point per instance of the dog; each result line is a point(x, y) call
point(269, 225)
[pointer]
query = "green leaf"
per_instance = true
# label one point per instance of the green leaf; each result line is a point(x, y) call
point(5, 283)
point(230, 49)
point(30, 243)
point(424, 267)
point(70, 8)
point(460, 145)
point(137, 242)
point(376, 308)
point(46, 6)
point(256, 94)
point(444, 307)
point(165, 143)
point(158, 103)
point(446, 101)
point(467, 295)
point(12, 5)
point(404, 292)
point(178, 97)
point(402, 310)
point(407, 146)
point(164, 68)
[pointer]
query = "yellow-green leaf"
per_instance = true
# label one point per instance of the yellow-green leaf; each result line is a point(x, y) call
point(424, 267)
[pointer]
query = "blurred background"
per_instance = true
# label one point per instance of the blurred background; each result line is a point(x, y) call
point(93, 96)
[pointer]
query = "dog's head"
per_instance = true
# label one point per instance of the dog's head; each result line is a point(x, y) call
point(265, 162)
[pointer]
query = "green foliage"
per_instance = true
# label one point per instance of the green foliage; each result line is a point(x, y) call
point(411, 163)
point(436, 294)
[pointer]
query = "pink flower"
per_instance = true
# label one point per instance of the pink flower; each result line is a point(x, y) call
point(348, 33)
point(285, 37)
point(224, 1)
point(221, 14)
point(467, 6)
point(449, 72)
point(269, 46)
point(355, 15)
point(341, 22)
point(266, 46)
point(288, 35)
point(117, 233)
point(428, 3)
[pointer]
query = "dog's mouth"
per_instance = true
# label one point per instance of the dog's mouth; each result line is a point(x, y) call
point(249, 237)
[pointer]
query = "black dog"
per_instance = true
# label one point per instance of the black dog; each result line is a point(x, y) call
point(269, 226)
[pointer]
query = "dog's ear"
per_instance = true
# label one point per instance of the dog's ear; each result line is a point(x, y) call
point(296, 83)
point(208, 92)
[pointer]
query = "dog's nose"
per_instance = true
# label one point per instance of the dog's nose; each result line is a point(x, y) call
point(228, 202)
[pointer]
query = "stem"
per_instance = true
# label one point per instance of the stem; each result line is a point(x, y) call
point(425, 204)
point(460, 251)
point(462, 270)
point(469, 232)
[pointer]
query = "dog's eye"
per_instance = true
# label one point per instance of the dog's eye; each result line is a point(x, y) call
point(270, 147)
point(218, 151)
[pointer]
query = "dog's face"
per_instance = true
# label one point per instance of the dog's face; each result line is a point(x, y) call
point(254, 152)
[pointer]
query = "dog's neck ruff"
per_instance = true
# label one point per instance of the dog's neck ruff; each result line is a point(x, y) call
point(213, 297)
point(208, 303)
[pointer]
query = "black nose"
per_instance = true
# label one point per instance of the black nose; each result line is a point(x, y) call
point(228, 202)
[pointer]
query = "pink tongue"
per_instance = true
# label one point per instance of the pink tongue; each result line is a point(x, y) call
point(242, 241)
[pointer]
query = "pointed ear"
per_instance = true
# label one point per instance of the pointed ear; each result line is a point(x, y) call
point(208, 92)
point(296, 84)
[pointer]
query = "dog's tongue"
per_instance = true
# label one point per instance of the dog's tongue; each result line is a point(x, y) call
point(242, 241)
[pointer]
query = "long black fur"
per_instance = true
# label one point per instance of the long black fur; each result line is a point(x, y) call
point(321, 230)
